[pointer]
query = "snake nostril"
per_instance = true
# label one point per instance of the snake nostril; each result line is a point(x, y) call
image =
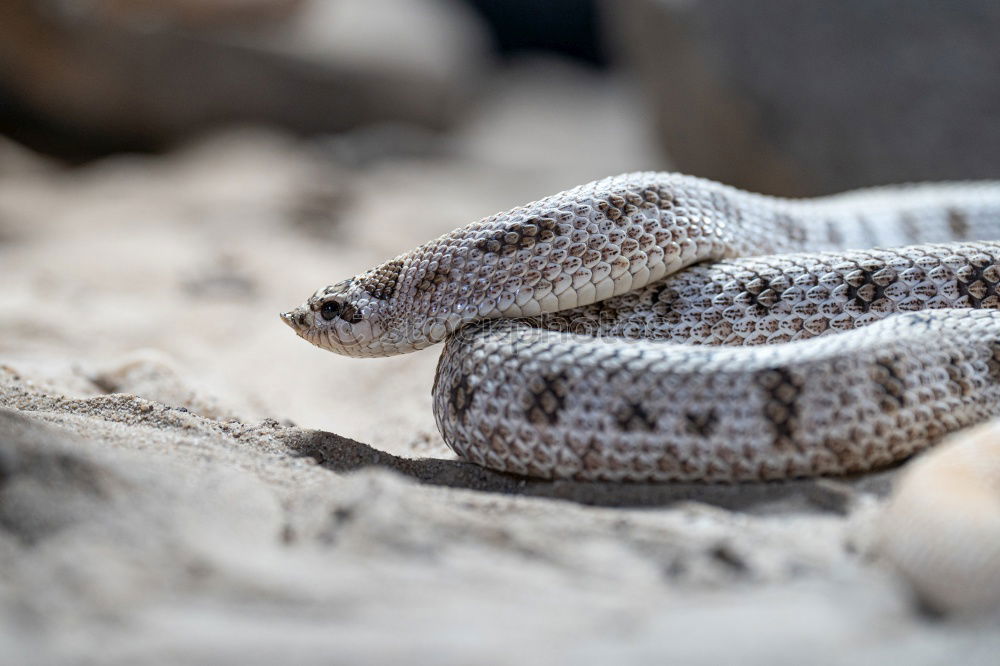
point(301, 319)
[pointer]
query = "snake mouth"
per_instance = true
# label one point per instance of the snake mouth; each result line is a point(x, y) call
point(298, 319)
point(303, 321)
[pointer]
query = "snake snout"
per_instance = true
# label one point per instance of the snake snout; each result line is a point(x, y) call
point(297, 319)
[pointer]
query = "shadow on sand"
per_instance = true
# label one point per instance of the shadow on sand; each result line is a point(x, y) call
point(340, 454)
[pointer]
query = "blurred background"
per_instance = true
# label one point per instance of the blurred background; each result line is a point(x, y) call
point(173, 173)
point(781, 96)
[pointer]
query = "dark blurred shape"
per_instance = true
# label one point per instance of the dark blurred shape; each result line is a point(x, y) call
point(196, 14)
point(803, 97)
point(566, 27)
point(81, 80)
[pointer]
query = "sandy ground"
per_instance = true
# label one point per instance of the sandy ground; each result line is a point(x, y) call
point(182, 480)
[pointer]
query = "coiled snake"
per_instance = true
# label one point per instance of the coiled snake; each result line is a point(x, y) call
point(577, 347)
point(623, 373)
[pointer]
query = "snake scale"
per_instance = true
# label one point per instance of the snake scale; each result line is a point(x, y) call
point(658, 327)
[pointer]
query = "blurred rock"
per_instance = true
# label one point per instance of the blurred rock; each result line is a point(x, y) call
point(192, 14)
point(802, 98)
point(84, 79)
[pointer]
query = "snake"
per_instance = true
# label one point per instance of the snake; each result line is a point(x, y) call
point(660, 327)
point(663, 327)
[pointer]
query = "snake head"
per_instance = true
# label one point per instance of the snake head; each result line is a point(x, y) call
point(364, 316)
point(341, 318)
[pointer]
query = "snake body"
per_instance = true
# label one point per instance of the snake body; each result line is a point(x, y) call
point(583, 342)
point(559, 405)
point(577, 347)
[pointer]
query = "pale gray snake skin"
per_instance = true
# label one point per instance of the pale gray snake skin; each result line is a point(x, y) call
point(666, 402)
point(577, 347)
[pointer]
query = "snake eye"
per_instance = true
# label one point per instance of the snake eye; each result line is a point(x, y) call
point(329, 310)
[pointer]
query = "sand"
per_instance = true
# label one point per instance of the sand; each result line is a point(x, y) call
point(182, 480)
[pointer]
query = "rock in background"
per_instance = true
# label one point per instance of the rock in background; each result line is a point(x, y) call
point(86, 79)
point(802, 98)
